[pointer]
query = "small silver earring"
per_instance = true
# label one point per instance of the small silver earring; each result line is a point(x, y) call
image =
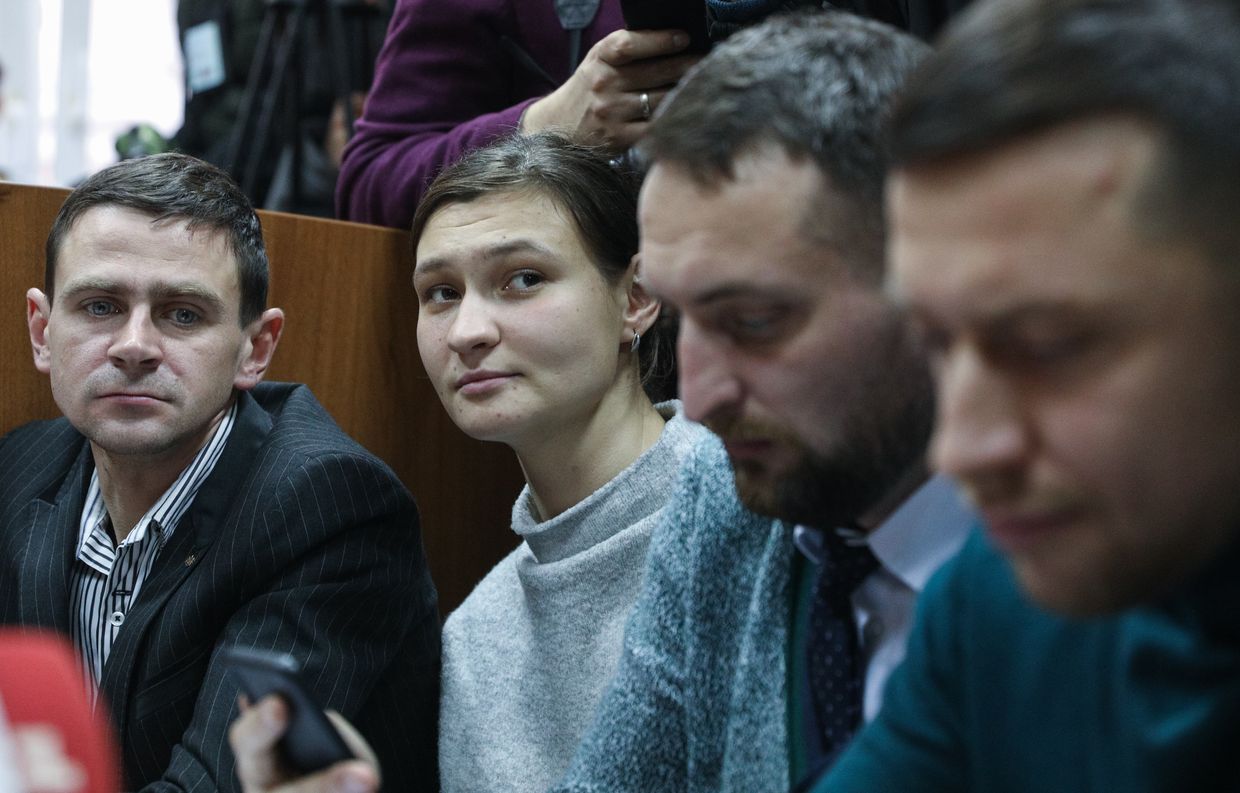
point(637, 341)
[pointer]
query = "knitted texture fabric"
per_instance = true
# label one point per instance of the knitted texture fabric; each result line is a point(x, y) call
point(526, 657)
point(698, 703)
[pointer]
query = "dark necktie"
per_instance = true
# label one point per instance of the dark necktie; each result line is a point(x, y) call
point(836, 675)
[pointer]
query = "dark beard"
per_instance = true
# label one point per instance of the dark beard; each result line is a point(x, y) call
point(827, 491)
point(824, 492)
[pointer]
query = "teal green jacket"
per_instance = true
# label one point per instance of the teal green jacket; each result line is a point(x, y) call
point(997, 695)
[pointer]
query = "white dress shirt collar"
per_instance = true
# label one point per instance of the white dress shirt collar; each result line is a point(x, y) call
point(905, 547)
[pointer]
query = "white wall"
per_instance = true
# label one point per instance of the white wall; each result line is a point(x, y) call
point(77, 73)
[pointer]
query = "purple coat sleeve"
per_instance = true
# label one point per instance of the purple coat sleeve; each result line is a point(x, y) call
point(447, 81)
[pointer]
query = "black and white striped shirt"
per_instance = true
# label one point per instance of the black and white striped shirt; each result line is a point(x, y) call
point(106, 578)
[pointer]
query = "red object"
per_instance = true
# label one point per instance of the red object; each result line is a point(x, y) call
point(62, 746)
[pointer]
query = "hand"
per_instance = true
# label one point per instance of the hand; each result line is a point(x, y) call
point(338, 130)
point(601, 102)
point(253, 738)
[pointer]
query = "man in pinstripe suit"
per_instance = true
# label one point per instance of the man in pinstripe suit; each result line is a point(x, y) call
point(181, 506)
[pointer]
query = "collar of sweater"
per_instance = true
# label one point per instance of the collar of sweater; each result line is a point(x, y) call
point(634, 493)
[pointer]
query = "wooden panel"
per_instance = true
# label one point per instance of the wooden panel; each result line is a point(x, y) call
point(26, 215)
point(349, 335)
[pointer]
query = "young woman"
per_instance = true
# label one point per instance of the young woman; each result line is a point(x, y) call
point(532, 327)
point(536, 332)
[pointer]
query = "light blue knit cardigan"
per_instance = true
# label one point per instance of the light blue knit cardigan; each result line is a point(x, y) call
point(698, 703)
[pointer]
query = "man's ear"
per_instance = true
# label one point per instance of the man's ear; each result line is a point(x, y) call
point(262, 336)
point(38, 309)
point(642, 308)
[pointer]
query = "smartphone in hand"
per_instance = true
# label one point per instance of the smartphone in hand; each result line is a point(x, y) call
point(686, 15)
point(311, 742)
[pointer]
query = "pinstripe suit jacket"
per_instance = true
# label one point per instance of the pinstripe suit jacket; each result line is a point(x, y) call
point(299, 541)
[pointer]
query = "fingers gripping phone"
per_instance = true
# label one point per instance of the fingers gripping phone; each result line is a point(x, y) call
point(686, 15)
point(311, 742)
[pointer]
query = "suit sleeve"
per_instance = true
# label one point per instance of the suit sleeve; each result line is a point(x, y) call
point(638, 741)
point(916, 742)
point(341, 584)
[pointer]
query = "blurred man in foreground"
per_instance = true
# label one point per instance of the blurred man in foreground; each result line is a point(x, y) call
point(1064, 233)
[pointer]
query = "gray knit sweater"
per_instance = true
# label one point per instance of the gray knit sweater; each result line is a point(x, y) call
point(528, 654)
point(698, 703)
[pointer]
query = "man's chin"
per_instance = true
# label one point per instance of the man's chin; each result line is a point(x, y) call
point(757, 492)
point(811, 492)
point(131, 439)
point(1070, 586)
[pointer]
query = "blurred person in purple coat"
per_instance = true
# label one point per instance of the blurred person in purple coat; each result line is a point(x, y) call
point(454, 75)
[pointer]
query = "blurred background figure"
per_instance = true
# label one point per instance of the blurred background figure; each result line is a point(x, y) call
point(454, 75)
point(271, 87)
point(218, 40)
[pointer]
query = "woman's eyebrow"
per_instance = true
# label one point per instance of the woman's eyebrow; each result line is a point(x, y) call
point(500, 250)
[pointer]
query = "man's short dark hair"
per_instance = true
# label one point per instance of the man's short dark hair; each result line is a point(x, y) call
point(1013, 68)
point(174, 187)
point(818, 85)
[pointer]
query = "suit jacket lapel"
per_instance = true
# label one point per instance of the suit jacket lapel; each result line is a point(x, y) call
point(190, 541)
point(54, 520)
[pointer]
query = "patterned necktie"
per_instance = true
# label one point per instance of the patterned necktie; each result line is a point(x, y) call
point(835, 672)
